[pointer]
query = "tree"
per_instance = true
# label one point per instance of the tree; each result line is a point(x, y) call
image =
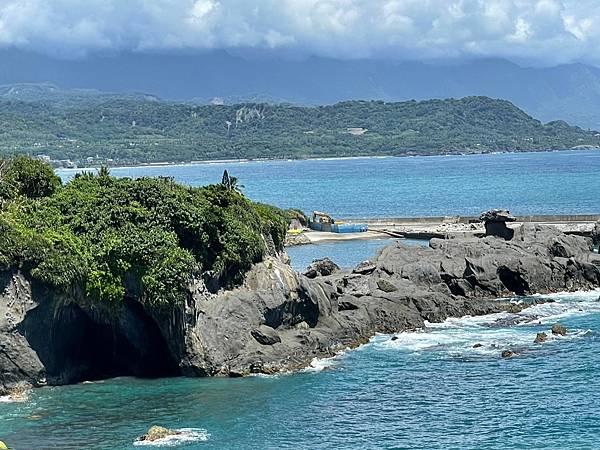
point(104, 172)
point(231, 183)
point(27, 177)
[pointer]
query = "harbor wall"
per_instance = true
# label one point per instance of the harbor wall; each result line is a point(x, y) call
point(548, 218)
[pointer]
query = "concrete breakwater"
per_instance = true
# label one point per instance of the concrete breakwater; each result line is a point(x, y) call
point(444, 227)
point(540, 218)
point(456, 226)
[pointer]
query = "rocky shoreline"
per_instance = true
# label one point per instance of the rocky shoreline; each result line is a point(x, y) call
point(279, 320)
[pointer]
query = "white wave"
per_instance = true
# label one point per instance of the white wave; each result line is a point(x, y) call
point(481, 335)
point(465, 342)
point(21, 398)
point(320, 364)
point(185, 436)
point(575, 295)
point(467, 321)
point(566, 305)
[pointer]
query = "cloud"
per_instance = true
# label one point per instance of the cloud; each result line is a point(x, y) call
point(544, 30)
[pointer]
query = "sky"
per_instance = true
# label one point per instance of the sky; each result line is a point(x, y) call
point(542, 31)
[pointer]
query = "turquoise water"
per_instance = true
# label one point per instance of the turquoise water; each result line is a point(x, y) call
point(525, 183)
point(428, 389)
point(425, 390)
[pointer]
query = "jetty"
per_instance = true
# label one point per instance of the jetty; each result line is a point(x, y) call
point(426, 228)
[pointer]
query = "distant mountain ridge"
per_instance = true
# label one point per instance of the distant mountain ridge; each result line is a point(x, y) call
point(135, 130)
point(569, 92)
point(46, 92)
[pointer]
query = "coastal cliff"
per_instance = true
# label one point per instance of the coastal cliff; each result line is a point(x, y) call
point(108, 277)
point(279, 320)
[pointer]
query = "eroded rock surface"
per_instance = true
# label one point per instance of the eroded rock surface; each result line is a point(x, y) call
point(156, 433)
point(279, 319)
point(321, 268)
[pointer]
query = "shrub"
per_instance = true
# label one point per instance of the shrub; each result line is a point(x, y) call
point(27, 177)
point(144, 238)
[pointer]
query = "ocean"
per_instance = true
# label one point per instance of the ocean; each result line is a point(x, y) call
point(429, 389)
point(525, 183)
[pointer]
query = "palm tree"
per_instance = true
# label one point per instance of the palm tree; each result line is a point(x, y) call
point(104, 172)
point(231, 183)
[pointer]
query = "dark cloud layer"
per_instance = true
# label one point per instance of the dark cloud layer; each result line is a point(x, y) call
point(549, 31)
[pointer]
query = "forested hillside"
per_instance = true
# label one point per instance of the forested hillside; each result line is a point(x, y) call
point(135, 130)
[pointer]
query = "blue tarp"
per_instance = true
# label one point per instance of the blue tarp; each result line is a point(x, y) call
point(349, 227)
point(339, 227)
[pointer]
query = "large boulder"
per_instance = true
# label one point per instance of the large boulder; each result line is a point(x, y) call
point(540, 338)
point(364, 268)
point(495, 223)
point(265, 335)
point(321, 267)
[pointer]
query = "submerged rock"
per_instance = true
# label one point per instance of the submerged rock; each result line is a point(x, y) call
point(478, 345)
point(540, 338)
point(156, 432)
point(508, 353)
point(558, 329)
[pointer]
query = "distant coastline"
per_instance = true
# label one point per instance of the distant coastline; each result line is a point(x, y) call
point(130, 132)
point(311, 158)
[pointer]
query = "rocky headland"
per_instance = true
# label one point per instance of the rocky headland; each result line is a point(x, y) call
point(279, 320)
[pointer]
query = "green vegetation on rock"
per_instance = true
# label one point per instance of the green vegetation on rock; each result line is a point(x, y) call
point(27, 177)
point(133, 130)
point(145, 238)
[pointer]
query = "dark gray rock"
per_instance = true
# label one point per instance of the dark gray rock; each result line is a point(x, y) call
point(596, 233)
point(365, 268)
point(540, 338)
point(558, 329)
point(495, 223)
point(265, 335)
point(321, 267)
point(386, 286)
point(508, 353)
point(280, 320)
point(497, 215)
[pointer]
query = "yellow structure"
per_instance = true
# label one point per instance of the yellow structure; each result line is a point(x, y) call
point(3, 446)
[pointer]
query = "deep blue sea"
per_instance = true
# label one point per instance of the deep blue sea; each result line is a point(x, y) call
point(426, 390)
point(525, 183)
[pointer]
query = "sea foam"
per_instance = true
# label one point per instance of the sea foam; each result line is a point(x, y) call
point(320, 364)
point(494, 332)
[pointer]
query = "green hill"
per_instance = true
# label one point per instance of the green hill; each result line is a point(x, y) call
point(138, 131)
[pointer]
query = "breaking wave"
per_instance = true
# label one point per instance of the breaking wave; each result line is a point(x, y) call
point(490, 334)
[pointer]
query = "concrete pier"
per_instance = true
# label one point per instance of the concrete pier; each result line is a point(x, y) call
point(443, 227)
point(547, 218)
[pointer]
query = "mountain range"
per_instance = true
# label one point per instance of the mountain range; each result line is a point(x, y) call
point(568, 92)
